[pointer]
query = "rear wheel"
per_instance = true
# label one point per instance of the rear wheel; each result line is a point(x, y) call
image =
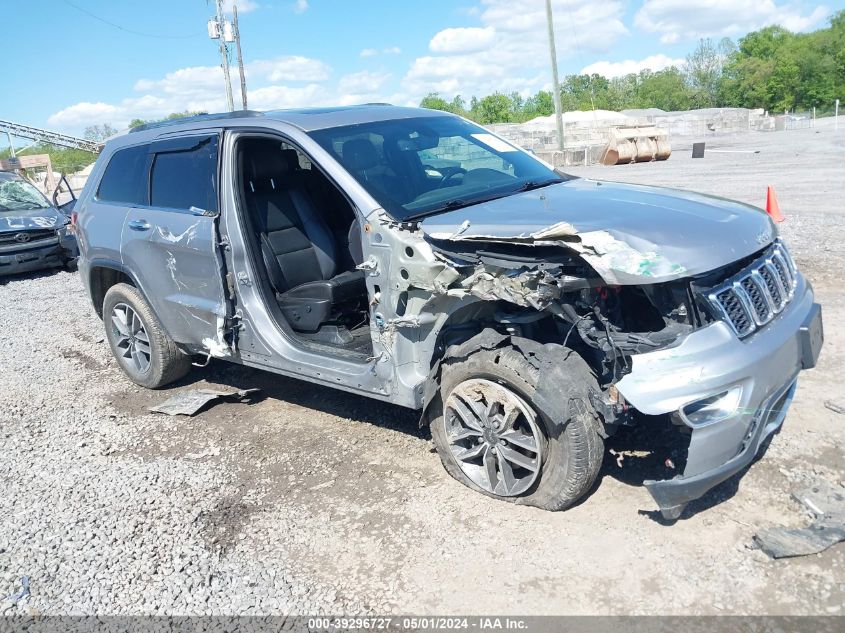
point(144, 351)
point(498, 436)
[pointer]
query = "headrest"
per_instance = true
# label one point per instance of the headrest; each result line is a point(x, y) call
point(359, 154)
point(292, 159)
point(264, 162)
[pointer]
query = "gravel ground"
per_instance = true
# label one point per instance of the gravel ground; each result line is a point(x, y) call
point(314, 501)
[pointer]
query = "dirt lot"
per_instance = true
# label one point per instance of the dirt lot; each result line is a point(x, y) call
point(314, 501)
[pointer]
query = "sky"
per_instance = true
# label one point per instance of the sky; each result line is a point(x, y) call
point(77, 63)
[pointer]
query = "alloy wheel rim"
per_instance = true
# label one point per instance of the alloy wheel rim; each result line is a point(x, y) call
point(131, 339)
point(494, 436)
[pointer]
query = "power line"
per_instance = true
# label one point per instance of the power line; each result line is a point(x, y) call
point(132, 31)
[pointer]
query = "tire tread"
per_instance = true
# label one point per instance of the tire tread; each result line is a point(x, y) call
point(168, 363)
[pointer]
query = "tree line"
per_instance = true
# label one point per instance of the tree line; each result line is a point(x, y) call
point(772, 68)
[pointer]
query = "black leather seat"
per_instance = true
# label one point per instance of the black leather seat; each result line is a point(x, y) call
point(361, 157)
point(298, 249)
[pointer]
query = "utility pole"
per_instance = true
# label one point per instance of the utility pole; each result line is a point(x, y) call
point(240, 57)
point(555, 82)
point(219, 29)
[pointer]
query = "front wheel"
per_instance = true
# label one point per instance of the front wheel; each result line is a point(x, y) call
point(144, 351)
point(499, 436)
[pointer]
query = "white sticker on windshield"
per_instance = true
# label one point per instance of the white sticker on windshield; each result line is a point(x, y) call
point(494, 142)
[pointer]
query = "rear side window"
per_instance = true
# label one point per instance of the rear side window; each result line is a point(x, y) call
point(125, 178)
point(184, 175)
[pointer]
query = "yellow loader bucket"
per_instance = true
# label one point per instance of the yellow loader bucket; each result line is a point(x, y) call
point(636, 144)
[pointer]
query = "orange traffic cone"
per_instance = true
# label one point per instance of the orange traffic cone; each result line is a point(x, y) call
point(772, 207)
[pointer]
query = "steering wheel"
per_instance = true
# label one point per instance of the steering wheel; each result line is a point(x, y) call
point(453, 171)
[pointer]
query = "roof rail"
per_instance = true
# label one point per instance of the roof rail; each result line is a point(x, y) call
point(236, 114)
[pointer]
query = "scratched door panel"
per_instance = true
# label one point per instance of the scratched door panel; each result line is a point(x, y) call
point(177, 265)
point(172, 241)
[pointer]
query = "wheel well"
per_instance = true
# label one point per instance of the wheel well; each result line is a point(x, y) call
point(103, 278)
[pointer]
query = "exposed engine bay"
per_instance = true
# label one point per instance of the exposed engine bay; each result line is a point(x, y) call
point(564, 300)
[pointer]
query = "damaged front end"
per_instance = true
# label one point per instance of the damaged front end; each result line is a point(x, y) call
point(664, 348)
point(551, 295)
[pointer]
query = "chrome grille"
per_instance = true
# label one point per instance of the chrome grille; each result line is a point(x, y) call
point(753, 297)
point(36, 234)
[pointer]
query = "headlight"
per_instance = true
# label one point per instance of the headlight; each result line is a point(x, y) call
point(711, 409)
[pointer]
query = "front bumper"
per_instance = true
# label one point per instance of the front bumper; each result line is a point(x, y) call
point(54, 252)
point(712, 360)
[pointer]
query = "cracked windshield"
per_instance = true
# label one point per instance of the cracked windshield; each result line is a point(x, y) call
point(19, 195)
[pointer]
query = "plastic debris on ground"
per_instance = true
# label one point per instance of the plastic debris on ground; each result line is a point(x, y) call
point(834, 406)
point(826, 503)
point(191, 402)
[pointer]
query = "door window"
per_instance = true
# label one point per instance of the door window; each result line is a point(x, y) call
point(184, 177)
point(125, 177)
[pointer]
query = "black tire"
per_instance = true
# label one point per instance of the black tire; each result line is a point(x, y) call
point(572, 448)
point(166, 362)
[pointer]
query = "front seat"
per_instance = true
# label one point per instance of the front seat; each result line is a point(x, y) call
point(360, 157)
point(297, 247)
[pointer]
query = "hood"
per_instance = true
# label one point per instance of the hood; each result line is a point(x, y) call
point(47, 218)
point(630, 234)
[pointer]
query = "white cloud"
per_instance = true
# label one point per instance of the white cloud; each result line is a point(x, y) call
point(275, 97)
point(361, 87)
point(372, 52)
point(508, 50)
point(201, 88)
point(462, 40)
point(301, 6)
point(620, 69)
point(83, 114)
point(196, 80)
point(364, 82)
point(690, 19)
point(470, 11)
point(291, 68)
point(244, 6)
point(285, 82)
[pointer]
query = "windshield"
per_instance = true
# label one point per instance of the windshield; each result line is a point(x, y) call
point(422, 166)
point(20, 195)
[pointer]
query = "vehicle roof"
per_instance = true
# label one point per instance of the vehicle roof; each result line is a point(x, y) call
point(310, 119)
point(9, 175)
point(306, 119)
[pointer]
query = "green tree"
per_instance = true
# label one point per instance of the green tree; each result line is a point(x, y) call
point(64, 159)
point(173, 115)
point(99, 132)
point(703, 69)
point(494, 108)
point(541, 104)
point(433, 101)
point(666, 89)
point(771, 68)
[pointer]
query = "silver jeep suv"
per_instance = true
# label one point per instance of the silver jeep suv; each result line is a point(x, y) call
point(411, 256)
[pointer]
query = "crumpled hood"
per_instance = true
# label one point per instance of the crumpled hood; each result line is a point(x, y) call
point(630, 234)
point(48, 218)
